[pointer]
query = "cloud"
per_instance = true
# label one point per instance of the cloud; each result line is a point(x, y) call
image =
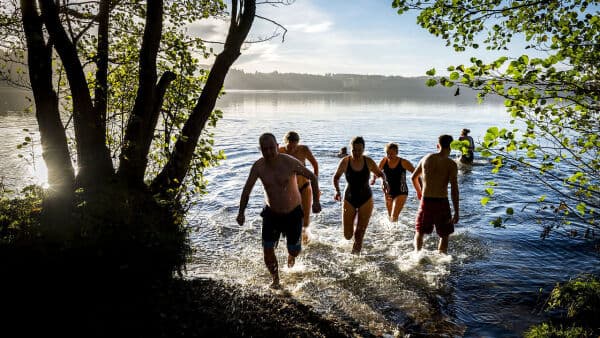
point(311, 28)
point(211, 29)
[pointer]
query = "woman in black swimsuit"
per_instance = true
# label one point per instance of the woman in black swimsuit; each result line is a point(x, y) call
point(302, 153)
point(358, 198)
point(395, 169)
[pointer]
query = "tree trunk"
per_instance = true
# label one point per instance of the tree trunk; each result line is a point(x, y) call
point(94, 162)
point(55, 150)
point(142, 122)
point(101, 90)
point(174, 172)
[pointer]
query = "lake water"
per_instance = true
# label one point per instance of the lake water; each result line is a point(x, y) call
point(490, 283)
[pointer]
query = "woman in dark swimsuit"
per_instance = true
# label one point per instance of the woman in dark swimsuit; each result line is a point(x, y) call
point(302, 153)
point(358, 198)
point(395, 169)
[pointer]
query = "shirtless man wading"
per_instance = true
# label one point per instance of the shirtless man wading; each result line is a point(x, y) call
point(437, 170)
point(283, 212)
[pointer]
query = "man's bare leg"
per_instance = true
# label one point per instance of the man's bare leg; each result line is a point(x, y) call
point(271, 263)
point(443, 245)
point(292, 257)
point(418, 243)
point(306, 207)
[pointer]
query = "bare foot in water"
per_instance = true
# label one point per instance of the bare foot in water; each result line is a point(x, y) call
point(275, 285)
point(291, 261)
point(356, 249)
point(305, 236)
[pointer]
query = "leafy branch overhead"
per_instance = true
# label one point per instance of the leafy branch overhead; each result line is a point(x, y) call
point(553, 99)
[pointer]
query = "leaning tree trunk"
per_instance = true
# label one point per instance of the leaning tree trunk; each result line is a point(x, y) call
point(55, 151)
point(52, 133)
point(174, 172)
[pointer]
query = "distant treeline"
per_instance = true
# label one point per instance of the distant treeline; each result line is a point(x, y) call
point(398, 85)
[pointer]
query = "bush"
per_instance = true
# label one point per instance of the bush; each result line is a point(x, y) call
point(575, 306)
point(102, 269)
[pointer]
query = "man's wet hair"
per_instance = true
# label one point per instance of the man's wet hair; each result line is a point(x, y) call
point(391, 145)
point(445, 140)
point(265, 136)
point(291, 136)
point(358, 140)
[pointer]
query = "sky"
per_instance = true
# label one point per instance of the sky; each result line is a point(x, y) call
point(342, 36)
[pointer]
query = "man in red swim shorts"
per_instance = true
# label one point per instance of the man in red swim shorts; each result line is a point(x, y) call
point(436, 171)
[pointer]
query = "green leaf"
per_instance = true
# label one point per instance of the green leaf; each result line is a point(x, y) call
point(431, 82)
point(484, 201)
point(581, 208)
point(431, 72)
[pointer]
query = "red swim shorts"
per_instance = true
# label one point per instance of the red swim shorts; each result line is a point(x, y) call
point(434, 211)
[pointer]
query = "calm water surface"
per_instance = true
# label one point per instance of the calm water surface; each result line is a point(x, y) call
point(488, 285)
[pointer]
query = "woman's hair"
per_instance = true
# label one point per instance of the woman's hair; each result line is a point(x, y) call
point(465, 132)
point(291, 136)
point(391, 145)
point(357, 140)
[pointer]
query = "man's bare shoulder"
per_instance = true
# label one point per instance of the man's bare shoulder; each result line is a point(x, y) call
point(451, 163)
point(288, 159)
point(260, 163)
point(427, 157)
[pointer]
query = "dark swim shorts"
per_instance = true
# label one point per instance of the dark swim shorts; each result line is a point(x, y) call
point(434, 211)
point(275, 224)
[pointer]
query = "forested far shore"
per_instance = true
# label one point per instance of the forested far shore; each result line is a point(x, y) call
point(397, 85)
point(16, 99)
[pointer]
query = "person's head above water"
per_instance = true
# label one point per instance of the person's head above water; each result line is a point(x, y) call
point(291, 137)
point(391, 149)
point(357, 145)
point(465, 132)
point(444, 141)
point(268, 145)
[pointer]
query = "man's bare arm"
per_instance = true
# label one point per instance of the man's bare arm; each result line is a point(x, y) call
point(314, 184)
point(415, 179)
point(454, 191)
point(246, 193)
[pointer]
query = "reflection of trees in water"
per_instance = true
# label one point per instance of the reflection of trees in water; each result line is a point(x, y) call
point(274, 97)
